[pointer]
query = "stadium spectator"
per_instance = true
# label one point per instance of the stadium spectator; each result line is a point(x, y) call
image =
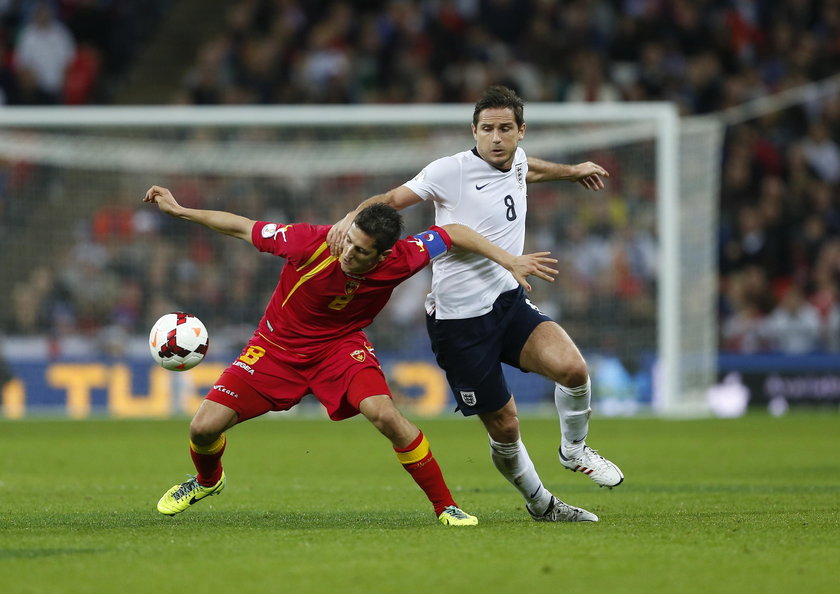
point(8, 84)
point(746, 304)
point(42, 54)
point(589, 82)
point(821, 152)
point(793, 327)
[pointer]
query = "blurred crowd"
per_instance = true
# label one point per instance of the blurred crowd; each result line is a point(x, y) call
point(780, 201)
point(69, 52)
point(703, 54)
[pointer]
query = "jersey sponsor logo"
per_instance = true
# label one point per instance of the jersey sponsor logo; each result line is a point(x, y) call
point(244, 366)
point(224, 390)
point(477, 187)
point(468, 398)
point(359, 355)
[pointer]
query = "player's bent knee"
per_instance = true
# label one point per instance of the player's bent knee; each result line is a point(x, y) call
point(390, 422)
point(379, 410)
point(502, 426)
point(203, 434)
point(576, 374)
point(206, 428)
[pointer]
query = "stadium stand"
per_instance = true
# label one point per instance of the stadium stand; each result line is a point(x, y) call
point(88, 47)
point(780, 204)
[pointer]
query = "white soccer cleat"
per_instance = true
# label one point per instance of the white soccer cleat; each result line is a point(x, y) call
point(595, 466)
point(562, 512)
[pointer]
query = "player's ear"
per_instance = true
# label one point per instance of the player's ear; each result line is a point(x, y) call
point(522, 131)
point(474, 130)
point(384, 255)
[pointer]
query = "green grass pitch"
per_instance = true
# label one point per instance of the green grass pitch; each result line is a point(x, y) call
point(747, 505)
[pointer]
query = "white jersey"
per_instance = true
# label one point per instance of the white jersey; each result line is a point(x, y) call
point(468, 190)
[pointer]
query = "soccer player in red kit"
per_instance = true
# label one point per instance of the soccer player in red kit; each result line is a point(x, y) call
point(310, 339)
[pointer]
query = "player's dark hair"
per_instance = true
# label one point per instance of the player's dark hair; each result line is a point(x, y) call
point(500, 97)
point(381, 222)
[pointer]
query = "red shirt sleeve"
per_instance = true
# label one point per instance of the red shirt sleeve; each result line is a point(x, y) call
point(294, 241)
point(416, 251)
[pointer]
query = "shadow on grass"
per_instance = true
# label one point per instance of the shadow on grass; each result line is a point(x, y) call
point(733, 488)
point(240, 519)
point(32, 553)
point(308, 520)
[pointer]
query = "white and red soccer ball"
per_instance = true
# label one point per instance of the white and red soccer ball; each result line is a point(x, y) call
point(178, 341)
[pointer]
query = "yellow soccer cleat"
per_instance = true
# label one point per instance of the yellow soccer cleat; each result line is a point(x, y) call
point(180, 497)
point(455, 516)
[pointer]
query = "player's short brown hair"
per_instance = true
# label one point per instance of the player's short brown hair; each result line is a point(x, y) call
point(381, 222)
point(500, 97)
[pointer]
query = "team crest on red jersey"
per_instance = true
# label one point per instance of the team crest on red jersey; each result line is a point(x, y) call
point(359, 355)
point(351, 286)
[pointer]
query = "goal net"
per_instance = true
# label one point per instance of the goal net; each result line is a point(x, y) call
point(88, 268)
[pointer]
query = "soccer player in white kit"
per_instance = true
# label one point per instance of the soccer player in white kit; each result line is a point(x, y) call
point(477, 315)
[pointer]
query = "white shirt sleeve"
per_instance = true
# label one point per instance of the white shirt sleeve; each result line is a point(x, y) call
point(439, 181)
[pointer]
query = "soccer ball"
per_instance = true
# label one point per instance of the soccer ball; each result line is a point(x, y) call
point(178, 341)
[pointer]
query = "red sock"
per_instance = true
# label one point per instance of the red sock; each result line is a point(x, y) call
point(418, 460)
point(208, 461)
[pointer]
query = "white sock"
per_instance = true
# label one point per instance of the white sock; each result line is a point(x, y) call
point(573, 407)
point(513, 461)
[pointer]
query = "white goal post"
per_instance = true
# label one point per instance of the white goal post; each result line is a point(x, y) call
point(684, 172)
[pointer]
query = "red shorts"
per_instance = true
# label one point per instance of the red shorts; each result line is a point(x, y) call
point(266, 378)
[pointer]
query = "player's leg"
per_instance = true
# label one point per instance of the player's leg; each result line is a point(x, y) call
point(469, 351)
point(208, 440)
point(511, 458)
point(369, 392)
point(221, 410)
point(207, 444)
point(550, 352)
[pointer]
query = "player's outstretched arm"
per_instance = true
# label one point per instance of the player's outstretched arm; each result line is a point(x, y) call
point(399, 198)
point(587, 174)
point(217, 220)
point(521, 267)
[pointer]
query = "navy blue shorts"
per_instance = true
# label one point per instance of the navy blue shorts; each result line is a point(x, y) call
point(471, 351)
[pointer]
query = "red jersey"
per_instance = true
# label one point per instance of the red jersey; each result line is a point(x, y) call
point(316, 302)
